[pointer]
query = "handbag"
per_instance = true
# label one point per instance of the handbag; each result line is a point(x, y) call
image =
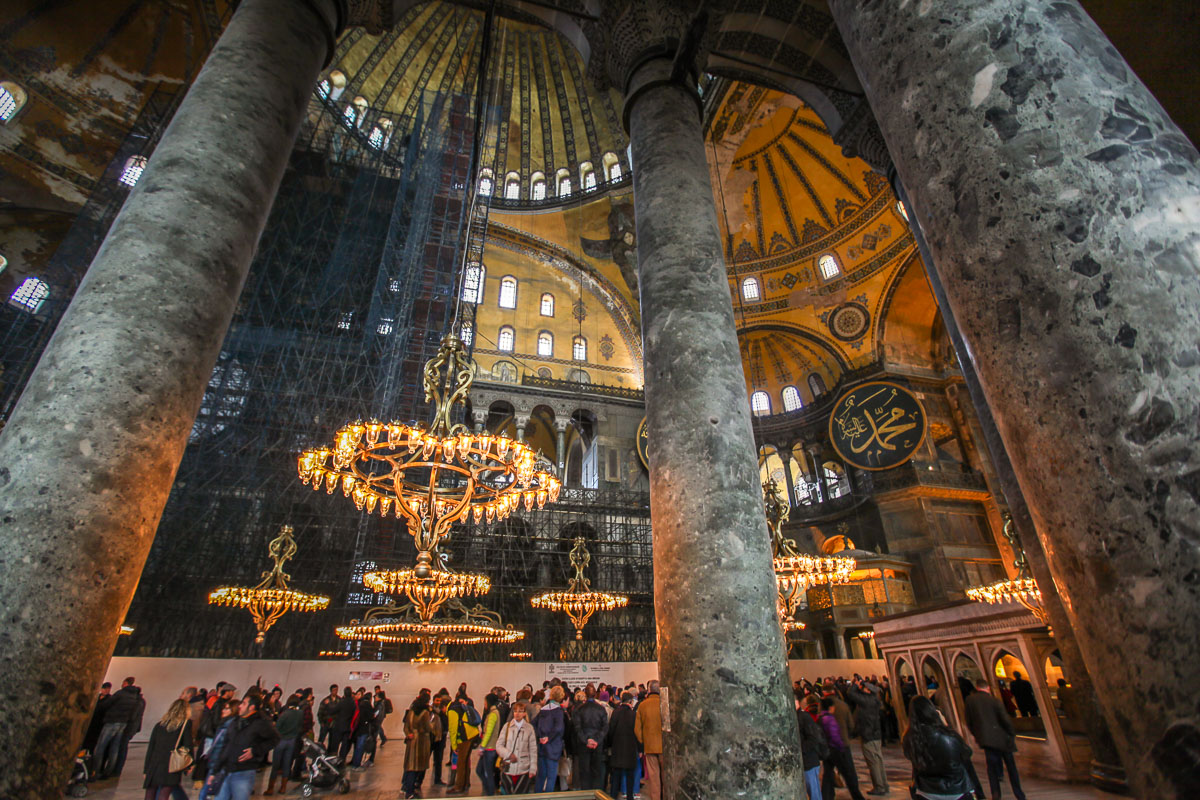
point(181, 757)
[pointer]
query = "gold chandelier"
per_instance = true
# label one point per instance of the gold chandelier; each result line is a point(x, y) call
point(403, 625)
point(433, 477)
point(271, 598)
point(794, 571)
point(579, 601)
point(1022, 589)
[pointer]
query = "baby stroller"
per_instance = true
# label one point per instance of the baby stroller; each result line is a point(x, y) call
point(324, 771)
point(77, 786)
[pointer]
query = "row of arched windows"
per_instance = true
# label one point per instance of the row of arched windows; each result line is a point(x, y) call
point(826, 264)
point(506, 340)
point(475, 278)
point(355, 113)
point(760, 401)
point(562, 180)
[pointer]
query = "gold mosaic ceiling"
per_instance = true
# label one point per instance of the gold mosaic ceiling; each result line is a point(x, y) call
point(550, 117)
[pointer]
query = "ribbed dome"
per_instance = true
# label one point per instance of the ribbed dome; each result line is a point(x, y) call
point(546, 116)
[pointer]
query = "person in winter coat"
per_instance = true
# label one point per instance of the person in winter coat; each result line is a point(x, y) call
point(489, 732)
point(287, 725)
point(938, 754)
point(868, 720)
point(814, 748)
point(649, 733)
point(993, 731)
point(622, 739)
point(418, 730)
point(516, 746)
point(249, 739)
point(440, 726)
point(551, 725)
point(463, 737)
point(362, 729)
point(173, 730)
point(325, 714)
point(839, 753)
point(120, 708)
point(591, 726)
point(343, 715)
point(226, 714)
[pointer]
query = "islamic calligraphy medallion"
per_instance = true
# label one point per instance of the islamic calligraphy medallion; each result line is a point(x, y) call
point(877, 425)
point(643, 442)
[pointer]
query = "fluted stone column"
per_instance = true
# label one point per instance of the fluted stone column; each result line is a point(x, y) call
point(720, 648)
point(1061, 209)
point(89, 455)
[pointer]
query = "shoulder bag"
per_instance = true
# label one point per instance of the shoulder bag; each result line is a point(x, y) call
point(181, 757)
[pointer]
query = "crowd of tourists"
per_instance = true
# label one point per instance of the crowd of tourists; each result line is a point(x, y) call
point(550, 739)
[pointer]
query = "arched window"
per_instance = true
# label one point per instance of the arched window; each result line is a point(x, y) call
point(546, 344)
point(836, 483)
point(467, 333)
point(587, 176)
point(508, 292)
point(829, 267)
point(750, 289)
point(376, 137)
point(505, 340)
point(537, 186)
point(3, 264)
point(12, 100)
point(547, 305)
point(473, 279)
point(612, 167)
point(579, 348)
point(30, 295)
point(760, 403)
point(512, 186)
point(132, 170)
point(337, 84)
point(324, 88)
point(562, 180)
point(791, 398)
point(901, 210)
point(350, 114)
point(486, 183)
point(816, 384)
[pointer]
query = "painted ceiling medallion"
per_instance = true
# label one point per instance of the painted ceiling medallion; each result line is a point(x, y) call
point(849, 321)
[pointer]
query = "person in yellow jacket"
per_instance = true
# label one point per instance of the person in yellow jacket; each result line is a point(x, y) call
point(463, 735)
point(486, 767)
point(648, 729)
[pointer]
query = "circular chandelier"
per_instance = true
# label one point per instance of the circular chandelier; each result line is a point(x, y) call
point(794, 571)
point(404, 625)
point(433, 477)
point(579, 601)
point(1022, 589)
point(427, 593)
point(271, 598)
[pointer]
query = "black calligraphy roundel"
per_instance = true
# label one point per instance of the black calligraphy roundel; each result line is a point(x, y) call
point(643, 440)
point(877, 425)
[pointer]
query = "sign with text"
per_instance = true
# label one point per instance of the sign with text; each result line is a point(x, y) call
point(877, 425)
point(383, 677)
point(580, 673)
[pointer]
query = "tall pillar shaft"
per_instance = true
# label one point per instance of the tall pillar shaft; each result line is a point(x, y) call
point(91, 449)
point(560, 452)
point(1060, 207)
point(720, 647)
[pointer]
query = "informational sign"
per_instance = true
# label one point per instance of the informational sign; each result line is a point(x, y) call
point(643, 439)
point(877, 425)
point(575, 673)
point(382, 677)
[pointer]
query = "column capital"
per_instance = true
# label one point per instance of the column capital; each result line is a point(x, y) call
point(860, 137)
point(631, 33)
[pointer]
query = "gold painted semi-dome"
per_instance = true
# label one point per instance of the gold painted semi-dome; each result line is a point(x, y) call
point(547, 123)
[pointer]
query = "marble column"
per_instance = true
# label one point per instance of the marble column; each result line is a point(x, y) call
point(839, 642)
point(521, 423)
point(787, 478)
point(720, 648)
point(560, 452)
point(91, 449)
point(1062, 210)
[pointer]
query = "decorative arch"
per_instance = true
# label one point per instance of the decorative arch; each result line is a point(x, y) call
point(512, 186)
point(537, 186)
point(612, 167)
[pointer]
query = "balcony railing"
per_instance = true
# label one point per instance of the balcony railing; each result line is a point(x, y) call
point(917, 474)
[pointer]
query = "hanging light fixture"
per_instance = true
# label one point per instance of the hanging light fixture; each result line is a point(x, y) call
point(404, 625)
point(579, 601)
point(1022, 589)
point(271, 598)
point(794, 571)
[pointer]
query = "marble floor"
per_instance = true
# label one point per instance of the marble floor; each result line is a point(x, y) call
point(382, 781)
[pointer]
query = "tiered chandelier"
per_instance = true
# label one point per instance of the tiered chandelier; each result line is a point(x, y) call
point(1022, 589)
point(271, 598)
point(431, 478)
point(796, 572)
point(579, 601)
point(403, 625)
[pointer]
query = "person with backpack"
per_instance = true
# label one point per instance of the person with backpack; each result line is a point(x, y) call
point(814, 748)
point(463, 735)
point(839, 753)
point(383, 707)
